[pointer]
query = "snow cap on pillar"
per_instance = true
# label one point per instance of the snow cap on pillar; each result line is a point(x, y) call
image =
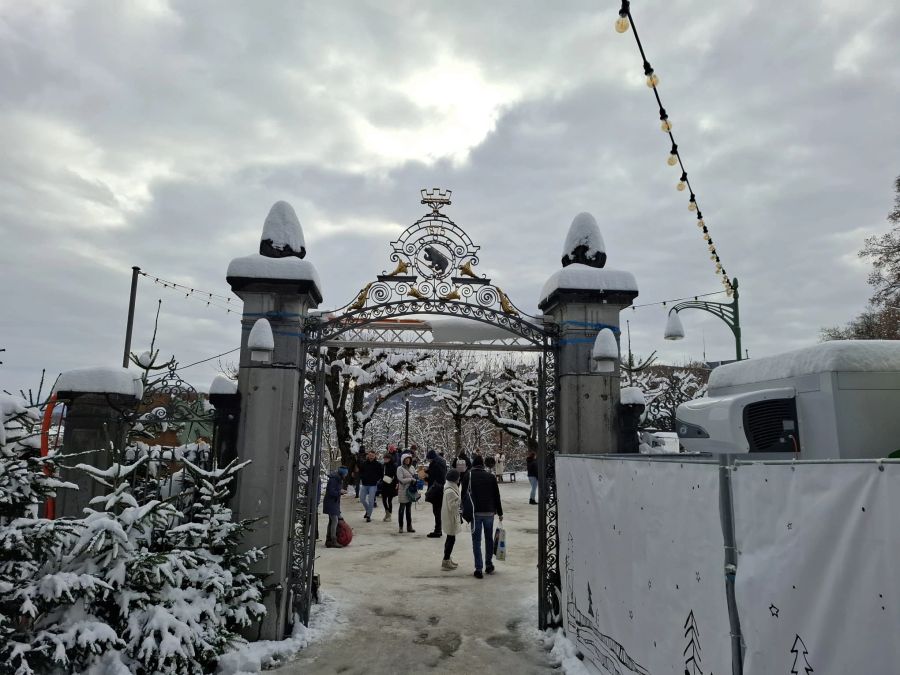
point(584, 243)
point(583, 276)
point(605, 352)
point(279, 263)
point(282, 235)
point(261, 342)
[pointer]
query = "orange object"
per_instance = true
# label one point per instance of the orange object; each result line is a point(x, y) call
point(46, 423)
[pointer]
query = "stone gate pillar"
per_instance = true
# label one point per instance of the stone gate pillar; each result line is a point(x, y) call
point(278, 289)
point(99, 401)
point(583, 298)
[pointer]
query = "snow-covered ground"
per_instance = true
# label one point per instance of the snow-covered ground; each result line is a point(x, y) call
point(399, 612)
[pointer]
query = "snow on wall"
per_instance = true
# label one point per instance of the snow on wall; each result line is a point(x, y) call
point(282, 228)
point(222, 385)
point(101, 380)
point(261, 338)
point(584, 231)
point(581, 277)
point(257, 266)
point(839, 355)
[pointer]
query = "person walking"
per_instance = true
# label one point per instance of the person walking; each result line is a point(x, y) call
point(388, 486)
point(436, 474)
point(501, 465)
point(532, 466)
point(331, 505)
point(450, 517)
point(406, 476)
point(481, 502)
point(370, 474)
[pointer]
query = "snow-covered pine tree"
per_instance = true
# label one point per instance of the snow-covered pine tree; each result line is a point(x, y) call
point(175, 595)
point(215, 537)
point(33, 585)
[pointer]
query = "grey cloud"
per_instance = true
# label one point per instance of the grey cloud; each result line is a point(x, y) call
point(182, 128)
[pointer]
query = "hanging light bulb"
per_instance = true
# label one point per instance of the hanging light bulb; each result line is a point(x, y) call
point(692, 205)
point(706, 236)
point(700, 223)
point(672, 160)
point(666, 126)
point(622, 24)
point(682, 183)
point(652, 80)
point(713, 257)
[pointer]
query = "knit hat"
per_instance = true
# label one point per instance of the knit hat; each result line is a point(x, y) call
point(431, 454)
point(460, 465)
point(452, 475)
point(343, 471)
point(478, 461)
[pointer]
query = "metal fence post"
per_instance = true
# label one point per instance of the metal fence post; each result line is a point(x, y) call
point(726, 515)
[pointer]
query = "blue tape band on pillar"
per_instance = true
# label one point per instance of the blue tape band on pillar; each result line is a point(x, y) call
point(598, 326)
point(576, 341)
point(277, 332)
point(273, 315)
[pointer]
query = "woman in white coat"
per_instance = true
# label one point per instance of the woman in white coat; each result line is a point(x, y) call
point(406, 476)
point(450, 517)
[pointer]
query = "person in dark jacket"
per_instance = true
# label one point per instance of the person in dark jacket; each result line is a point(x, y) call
point(331, 506)
point(370, 474)
point(436, 474)
point(388, 485)
point(481, 502)
point(531, 463)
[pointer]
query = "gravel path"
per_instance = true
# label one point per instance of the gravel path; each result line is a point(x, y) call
point(403, 614)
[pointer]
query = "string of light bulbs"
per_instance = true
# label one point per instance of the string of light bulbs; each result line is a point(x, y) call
point(668, 300)
point(210, 299)
point(625, 21)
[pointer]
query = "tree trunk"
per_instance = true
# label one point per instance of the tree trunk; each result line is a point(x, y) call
point(457, 433)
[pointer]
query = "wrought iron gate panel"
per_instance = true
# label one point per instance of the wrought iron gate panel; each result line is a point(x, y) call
point(307, 468)
point(435, 275)
point(549, 613)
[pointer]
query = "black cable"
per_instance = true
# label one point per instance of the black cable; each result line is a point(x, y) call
point(687, 297)
point(197, 363)
point(625, 11)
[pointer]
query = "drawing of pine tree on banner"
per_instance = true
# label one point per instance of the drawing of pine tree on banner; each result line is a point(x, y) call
point(692, 650)
point(798, 649)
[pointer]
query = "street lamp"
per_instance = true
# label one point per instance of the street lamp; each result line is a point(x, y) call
point(727, 311)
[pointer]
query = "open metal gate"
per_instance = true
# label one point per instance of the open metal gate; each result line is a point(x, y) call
point(434, 275)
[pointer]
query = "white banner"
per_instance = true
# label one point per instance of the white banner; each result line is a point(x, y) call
point(642, 563)
point(817, 585)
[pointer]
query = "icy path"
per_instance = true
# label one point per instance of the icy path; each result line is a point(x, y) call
point(403, 614)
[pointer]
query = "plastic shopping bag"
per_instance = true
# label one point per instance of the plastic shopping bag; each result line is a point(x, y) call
point(500, 544)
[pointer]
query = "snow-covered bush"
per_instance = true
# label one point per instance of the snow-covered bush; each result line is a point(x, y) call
point(138, 585)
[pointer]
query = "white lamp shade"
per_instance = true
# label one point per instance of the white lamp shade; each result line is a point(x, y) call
point(605, 347)
point(674, 329)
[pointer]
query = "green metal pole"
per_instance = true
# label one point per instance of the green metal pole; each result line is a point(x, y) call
point(736, 329)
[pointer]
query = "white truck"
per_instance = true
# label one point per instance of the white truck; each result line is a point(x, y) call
point(835, 400)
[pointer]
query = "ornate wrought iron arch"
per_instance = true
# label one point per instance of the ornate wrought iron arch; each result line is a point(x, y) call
point(434, 275)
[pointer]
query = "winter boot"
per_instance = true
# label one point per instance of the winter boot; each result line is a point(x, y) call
point(455, 564)
point(387, 517)
point(447, 565)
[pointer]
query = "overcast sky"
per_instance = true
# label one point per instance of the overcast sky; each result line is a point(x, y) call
point(159, 134)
